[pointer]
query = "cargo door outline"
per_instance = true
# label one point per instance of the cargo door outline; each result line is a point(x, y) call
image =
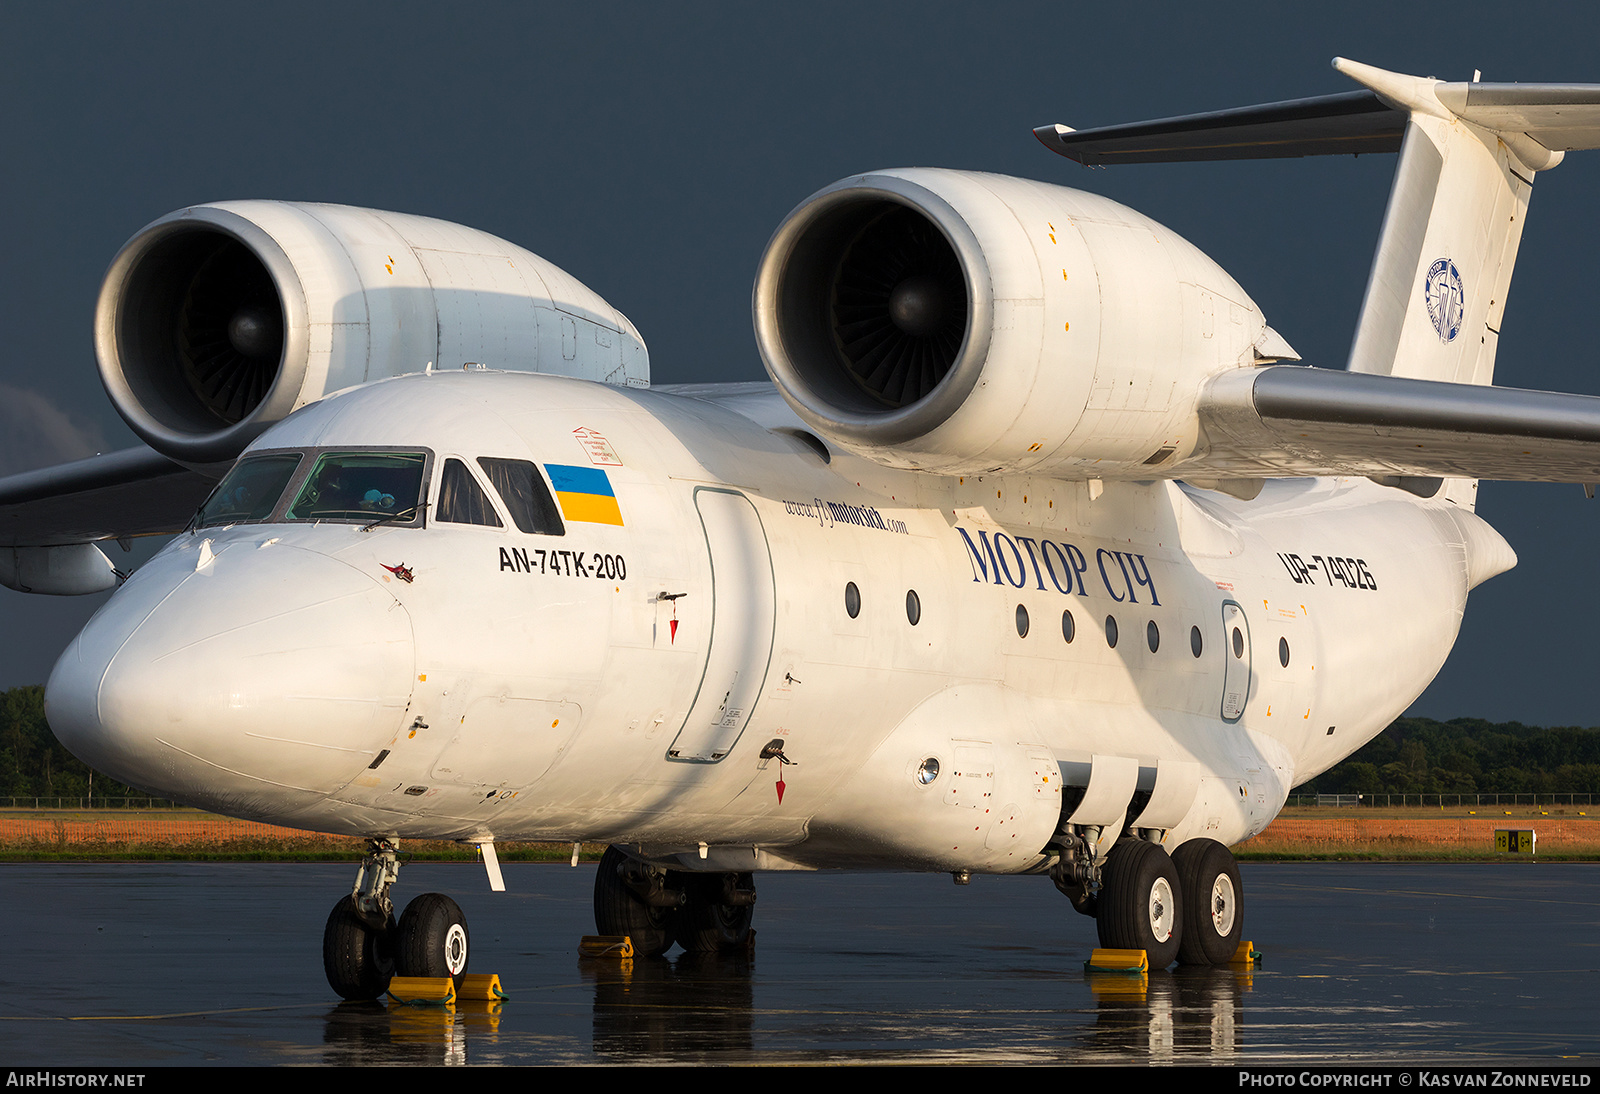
point(1235, 667)
point(744, 619)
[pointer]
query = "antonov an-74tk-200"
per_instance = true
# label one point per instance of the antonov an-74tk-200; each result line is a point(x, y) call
point(1036, 559)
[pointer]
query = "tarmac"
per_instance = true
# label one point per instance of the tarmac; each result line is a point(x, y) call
point(130, 965)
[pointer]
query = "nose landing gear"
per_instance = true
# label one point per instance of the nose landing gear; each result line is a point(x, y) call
point(357, 954)
point(432, 938)
point(363, 947)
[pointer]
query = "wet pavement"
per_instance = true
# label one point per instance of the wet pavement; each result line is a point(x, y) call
point(151, 964)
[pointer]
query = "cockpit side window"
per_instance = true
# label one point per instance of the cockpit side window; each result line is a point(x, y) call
point(461, 499)
point(527, 498)
point(362, 486)
point(250, 491)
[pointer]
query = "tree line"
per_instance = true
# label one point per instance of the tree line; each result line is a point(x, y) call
point(32, 762)
point(1465, 756)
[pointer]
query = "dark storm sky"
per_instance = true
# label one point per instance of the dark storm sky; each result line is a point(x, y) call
point(651, 149)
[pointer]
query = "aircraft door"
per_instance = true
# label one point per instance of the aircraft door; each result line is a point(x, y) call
point(1236, 661)
point(743, 618)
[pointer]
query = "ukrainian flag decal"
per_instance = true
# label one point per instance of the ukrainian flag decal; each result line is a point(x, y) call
point(585, 494)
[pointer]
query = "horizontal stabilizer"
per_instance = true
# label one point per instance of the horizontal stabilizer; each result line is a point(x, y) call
point(1559, 117)
point(1562, 117)
point(1289, 420)
point(1345, 124)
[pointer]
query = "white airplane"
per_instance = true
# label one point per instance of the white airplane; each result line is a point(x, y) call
point(1034, 560)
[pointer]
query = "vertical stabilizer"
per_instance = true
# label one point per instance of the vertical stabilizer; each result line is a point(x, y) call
point(1449, 241)
point(1443, 266)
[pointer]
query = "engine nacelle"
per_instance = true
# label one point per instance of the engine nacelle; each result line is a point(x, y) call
point(216, 321)
point(969, 323)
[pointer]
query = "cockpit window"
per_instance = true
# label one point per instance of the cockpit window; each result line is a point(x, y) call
point(462, 500)
point(526, 496)
point(362, 486)
point(250, 491)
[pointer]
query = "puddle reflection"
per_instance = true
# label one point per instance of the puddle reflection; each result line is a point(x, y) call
point(706, 1006)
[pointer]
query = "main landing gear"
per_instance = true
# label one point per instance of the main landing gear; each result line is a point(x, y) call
point(703, 913)
point(363, 947)
point(1213, 912)
point(1185, 907)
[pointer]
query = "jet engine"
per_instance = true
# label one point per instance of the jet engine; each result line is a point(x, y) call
point(969, 323)
point(216, 321)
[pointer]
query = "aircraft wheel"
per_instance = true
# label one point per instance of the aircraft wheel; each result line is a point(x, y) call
point(1213, 902)
point(1140, 902)
point(620, 910)
point(359, 961)
point(432, 938)
point(707, 925)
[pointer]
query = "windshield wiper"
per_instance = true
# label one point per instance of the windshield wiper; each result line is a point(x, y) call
point(409, 514)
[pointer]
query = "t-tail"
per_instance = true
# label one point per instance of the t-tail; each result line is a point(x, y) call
point(1449, 242)
point(1469, 153)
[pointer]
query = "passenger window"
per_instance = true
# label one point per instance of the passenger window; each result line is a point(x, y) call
point(526, 496)
point(462, 500)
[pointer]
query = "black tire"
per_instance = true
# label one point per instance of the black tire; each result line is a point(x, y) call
point(1213, 903)
point(619, 910)
point(1140, 904)
point(432, 939)
point(705, 924)
point(359, 961)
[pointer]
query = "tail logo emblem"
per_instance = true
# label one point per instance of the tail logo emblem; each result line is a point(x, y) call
point(1446, 300)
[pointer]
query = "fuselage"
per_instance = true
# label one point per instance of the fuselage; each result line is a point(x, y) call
point(744, 648)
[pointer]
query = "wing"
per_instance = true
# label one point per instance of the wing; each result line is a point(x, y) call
point(134, 492)
point(1560, 117)
point(1293, 420)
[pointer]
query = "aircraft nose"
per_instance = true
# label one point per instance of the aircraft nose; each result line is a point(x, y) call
point(226, 678)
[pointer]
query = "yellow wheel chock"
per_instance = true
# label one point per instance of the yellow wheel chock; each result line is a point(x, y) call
point(481, 987)
point(614, 946)
point(423, 991)
point(1135, 961)
point(1246, 954)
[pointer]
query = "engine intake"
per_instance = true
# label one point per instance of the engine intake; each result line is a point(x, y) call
point(193, 334)
point(967, 323)
point(216, 321)
point(872, 313)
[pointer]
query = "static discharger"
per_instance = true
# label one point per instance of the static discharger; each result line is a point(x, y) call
point(617, 947)
point(423, 991)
